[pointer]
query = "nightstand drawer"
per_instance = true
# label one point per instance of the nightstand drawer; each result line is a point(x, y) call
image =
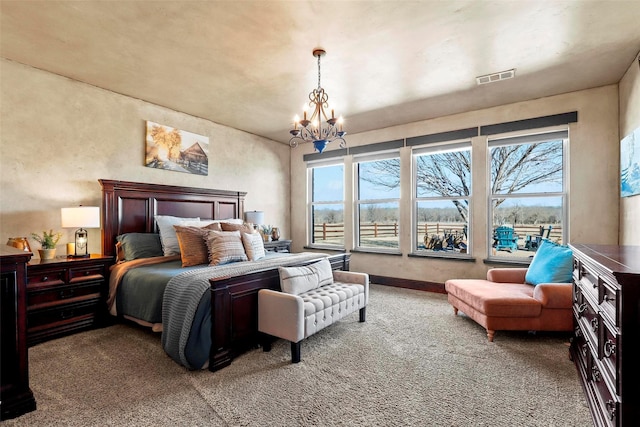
point(58, 315)
point(45, 277)
point(66, 295)
point(54, 295)
point(86, 273)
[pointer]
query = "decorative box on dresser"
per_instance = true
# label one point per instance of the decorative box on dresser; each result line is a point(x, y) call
point(66, 295)
point(16, 397)
point(606, 342)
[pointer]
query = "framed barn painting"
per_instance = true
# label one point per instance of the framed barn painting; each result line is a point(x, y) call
point(176, 150)
point(630, 164)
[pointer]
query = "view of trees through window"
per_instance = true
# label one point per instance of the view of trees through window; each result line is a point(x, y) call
point(527, 196)
point(327, 205)
point(379, 203)
point(526, 200)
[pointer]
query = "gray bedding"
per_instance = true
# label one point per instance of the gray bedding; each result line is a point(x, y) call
point(179, 298)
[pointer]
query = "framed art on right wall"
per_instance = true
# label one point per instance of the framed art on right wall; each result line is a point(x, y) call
point(630, 164)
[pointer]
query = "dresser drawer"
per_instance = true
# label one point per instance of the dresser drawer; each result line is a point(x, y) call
point(46, 277)
point(585, 279)
point(608, 298)
point(55, 295)
point(607, 402)
point(609, 355)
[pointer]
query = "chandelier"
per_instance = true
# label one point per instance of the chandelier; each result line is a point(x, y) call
point(319, 128)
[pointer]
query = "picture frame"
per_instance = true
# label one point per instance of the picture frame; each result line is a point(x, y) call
point(176, 150)
point(630, 164)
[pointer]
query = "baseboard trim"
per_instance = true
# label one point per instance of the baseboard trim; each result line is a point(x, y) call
point(419, 285)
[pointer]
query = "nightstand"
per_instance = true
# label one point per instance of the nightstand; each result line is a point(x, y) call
point(66, 295)
point(278, 246)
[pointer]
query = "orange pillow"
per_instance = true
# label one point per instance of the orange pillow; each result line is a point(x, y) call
point(242, 228)
point(193, 247)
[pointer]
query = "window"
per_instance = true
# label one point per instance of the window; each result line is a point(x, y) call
point(527, 188)
point(326, 207)
point(442, 191)
point(378, 202)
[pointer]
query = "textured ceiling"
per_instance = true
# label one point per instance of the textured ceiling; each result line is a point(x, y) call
point(248, 64)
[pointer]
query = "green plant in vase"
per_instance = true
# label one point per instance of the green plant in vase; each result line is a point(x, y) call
point(266, 232)
point(48, 241)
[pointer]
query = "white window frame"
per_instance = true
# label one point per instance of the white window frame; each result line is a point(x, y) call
point(369, 157)
point(442, 147)
point(310, 203)
point(529, 137)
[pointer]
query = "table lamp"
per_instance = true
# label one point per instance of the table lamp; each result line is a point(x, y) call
point(254, 217)
point(81, 218)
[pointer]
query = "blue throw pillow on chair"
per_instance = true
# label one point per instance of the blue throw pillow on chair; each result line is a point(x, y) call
point(552, 263)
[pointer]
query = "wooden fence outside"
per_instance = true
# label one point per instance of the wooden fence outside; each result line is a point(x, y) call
point(327, 231)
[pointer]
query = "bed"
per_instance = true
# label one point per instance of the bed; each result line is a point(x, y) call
point(230, 292)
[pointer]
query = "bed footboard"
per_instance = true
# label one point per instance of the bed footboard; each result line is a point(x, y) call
point(234, 304)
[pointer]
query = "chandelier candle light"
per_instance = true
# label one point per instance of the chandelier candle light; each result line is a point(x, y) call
point(319, 128)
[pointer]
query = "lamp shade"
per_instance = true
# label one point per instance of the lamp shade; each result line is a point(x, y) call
point(254, 217)
point(80, 217)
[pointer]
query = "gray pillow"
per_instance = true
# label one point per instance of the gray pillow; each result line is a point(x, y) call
point(140, 245)
point(297, 280)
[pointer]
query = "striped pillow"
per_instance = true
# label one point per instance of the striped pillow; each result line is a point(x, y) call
point(253, 246)
point(225, 247)
point(193, 248)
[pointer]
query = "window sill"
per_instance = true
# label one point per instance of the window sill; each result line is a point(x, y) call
point(444, 255)
point(376, 251)
point(507, 261)
point(325, 248)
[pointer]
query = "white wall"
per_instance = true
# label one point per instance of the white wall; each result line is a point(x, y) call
point(629, 90)
point(59, 136)
point(593, 181)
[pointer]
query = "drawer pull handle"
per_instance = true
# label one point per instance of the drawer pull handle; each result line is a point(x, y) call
point(595, 373)
point(609, 348)
point(594, 324)
point(581, 308)
point(608, 298)
point(66, 314)
point(611, 408)
point(45, 278)
point(67, 294)
point(584, 350)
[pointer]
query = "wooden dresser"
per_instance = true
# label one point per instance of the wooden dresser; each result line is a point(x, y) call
point(606, 308)
point(66, 295)
point(16, 397)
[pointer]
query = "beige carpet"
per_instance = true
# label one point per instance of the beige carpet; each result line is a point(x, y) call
point(411, 364)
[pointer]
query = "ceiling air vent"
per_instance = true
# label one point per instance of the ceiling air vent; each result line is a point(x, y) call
point(496, 77)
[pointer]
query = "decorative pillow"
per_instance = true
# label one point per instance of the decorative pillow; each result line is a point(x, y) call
point(552, 263)
point(170, 245)
point(225, 247)
point(211, 224)
point(139, 245)
point(297, 280)
point(193, 248)
point(253, 246)
point(242, 228)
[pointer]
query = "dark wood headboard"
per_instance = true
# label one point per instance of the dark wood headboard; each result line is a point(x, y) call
point(130, 207)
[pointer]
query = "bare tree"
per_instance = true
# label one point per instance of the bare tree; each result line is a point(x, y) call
point(513, 168)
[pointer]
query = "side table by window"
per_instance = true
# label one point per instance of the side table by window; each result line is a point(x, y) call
point(278, 246)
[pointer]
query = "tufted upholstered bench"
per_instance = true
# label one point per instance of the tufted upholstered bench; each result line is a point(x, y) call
point(312, 298)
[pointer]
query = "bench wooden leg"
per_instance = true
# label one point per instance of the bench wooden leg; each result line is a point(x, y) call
point(455, 311)
point(490, 334)
point(363, 314)
point(295, 352)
